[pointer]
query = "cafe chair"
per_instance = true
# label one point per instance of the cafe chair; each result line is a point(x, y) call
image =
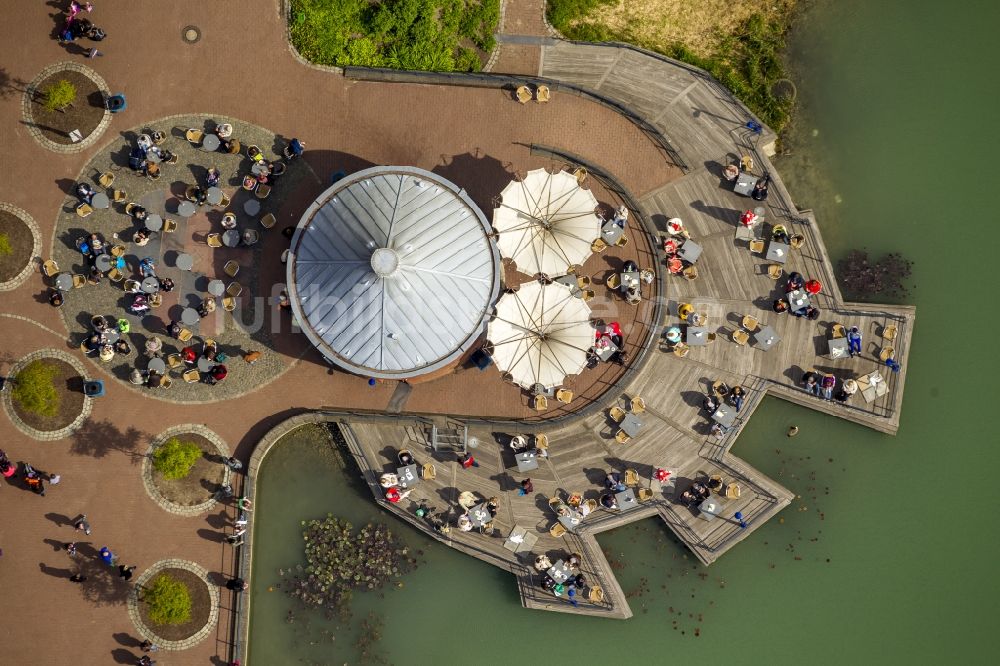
point(214, 240)
point(174, 361)
point(757, 246)
point(156, 300)
point(746, 163)
point(631, 477)
point(774, 271)
point(234, 289)
point(564, 396)
point(194, 136)
point(228, 303)
point(166, 383)
point(117, 251)
point(191, 376)
point(838, 331)
point(637, 405)
point(541, 403)
point(733, 491)
point(884, 355)
point(169, 226)
point(797, 241)
point(486, 528)
point(79, 280)
point(591, 505)
point(557, 530)
point(153, 172)
point(267, 221)
point(889, 332)
point(587, 295)
point(681, 350)
point(741, 337)
point(622, 241)
point(622, 437)
point(132, 285)
point(614, 281)
point(115, 275)
point(225, 201)
point(750, 323)
point(159, 138)
point(50, 268)
point(262, 191)
point(645, 494)
point(595, 594)
point(580, 173)
point(106, 179)
point(83, 210)
point(555, 503)
point(598, 246)
point(542, 442)
point(691, 272)
point(428, 472)
point(173, 159)
point(616, 413)
point(523, 94)
point(231, 268)
point(120, 196)
point(583, 282)
point(542, 94)
point(185, 335)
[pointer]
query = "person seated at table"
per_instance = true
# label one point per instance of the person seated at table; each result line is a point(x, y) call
point(518, 444)
point(85, 193)
point(122, 347)
point(136, 376)
point(689, 498)
point(218, 373)
point(809, 381)
point(133, 288)
point(759, 192)
point(94, 342)
point(213, 178)
point(542, 563)
point(405, 458)
point(630, 267)
point(144, 141)
point(140, 237)
point(609, 502)
point(701, 490)
point(548, 582)
point(224, 130)
point(189, 355)
point(198, 195)
point(736, 396)
point(780, 306)
point(147, 267)
point(139, 304)
point(829, 383)
point(154, 379)
point(99, 323)
point(613, 481)
point(55, 298)
point(139, 214)
point(207, 307)
point(714, 484)
point(95, 275)
point(564, 511)
point(578, 581)
point(277, 169)
point(161, 154)
point(464, 523)
point(795, 281)
point(710, 403)
point(166, 284)
point(294, 149)
point(717, 430)
point(779, 234)
point(574, 561)
point(620, 216)
point(228, 222)
point(583, 509)
point(493, 506)
point(210, 352)
point(388, 480)
point(809, 312)
point(174, 329)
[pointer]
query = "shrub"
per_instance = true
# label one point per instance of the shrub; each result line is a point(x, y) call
point(175, 458)
point(35, 391)
point(59, 95)
point(168, 600)
point(5, 247)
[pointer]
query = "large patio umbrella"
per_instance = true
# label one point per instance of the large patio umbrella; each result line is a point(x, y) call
point(546, 222)
point(540, 334)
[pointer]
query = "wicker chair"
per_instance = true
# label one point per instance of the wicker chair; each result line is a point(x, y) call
point(614, 281)
point(83, 210)
point(622, 437)
point(681, 350)
point(557, 530)
point(750, 323)
point(886, 354)
point(191, 376)
point(231, 268)
point(225, 201)
point(429, 471)
point(50, 268)
point(564, 396)
point(185, 335)
point(120, 196)
point(541, 403)
point(116, 275)
point(234, 289)
point(166, 383)
point(595, 594)
point(542, 94)
point(106, 179)
point(598, 246)
point(591, 505)
point(775, 271)
point(117, 251)
point(741, 337)
point(580, 173)
point(523, 94)
point(174, 361)
point(262, 191)
point(79, 280)
point(583, 282)
point(757, 246)
point(838, 331)
point(228, 303)
point(645, 494)
point(637, 405)
point(542, 442)
point(587, 294)
point(622, 241)
point(214, 240)
point(691, 272)
point(194, 135)
point(156, 300)
point(268, 221)
point(132, 285)
point(631, 477)
point(889, 332)
point(797, 241)
point(733, 491)
point(616, 413)
point(169, 226)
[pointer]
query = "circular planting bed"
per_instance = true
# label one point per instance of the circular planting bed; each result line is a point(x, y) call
point(194, 492)
point(86, 115)
point(17, 245)
point(45, 398)
point(187, 610)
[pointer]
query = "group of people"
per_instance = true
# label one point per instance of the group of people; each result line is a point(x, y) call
point(606, 336)
point(146, 156)
point(796, 282)
point(390, 482)
point(78, 27)
point(573, 585)
point(107, 339)
point(824, 385)
point(734, 396)
point(33, 479)
point(699, 492)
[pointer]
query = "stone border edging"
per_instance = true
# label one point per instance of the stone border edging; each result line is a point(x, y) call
point(36, 246)
point(147, 469)
point(27, 100)
point(146, 632)
point(42, 435)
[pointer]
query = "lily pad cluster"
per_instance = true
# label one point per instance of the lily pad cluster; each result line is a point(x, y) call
point(340, 560)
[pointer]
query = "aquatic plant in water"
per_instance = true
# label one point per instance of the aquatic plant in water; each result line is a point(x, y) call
point(340, 560)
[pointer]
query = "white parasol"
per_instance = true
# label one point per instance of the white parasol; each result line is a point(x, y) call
point(546, 222)
point(540, 334)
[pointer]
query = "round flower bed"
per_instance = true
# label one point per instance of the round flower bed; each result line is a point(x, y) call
point(173, 604)
point(184, 468)
point(78, 94)
point(17, 245)
point(47, 394)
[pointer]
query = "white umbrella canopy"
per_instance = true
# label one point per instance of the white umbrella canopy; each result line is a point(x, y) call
point(540, 334)
point(546, 222)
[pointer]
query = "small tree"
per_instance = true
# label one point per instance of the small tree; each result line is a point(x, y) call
point(59, 95)
point(5, 247)
point(168, 600)
point(35, 391)
point(175, 459)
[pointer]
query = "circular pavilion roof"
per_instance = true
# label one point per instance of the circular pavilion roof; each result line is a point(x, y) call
point(392, 272)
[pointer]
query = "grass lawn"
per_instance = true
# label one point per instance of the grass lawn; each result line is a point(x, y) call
point(738, 43)
point(438, 35)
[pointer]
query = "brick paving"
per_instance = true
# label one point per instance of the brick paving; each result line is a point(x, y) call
point(347, 125)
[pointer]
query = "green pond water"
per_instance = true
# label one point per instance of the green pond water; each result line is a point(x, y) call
point(888, 553)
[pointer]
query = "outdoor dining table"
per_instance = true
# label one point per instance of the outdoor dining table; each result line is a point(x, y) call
point(251, 207)
point(408, 476)
point(611, 232)
point(190, 316)
point(205, 364)
point(777, 252)
point(745, 182)
point(231, 237)
point(605, 349)
point(100, 200)
point(217, 287)
point(479, 515)
point(154, 222)
point(725, 415)
point(797, 300)
point(526, 461)
point(156, 365)
point(259, 169)
point(571, 521)
point(765, 338)
point(709, 508)
point(629, 279)
point(110, 336)
point(103, 262)
point(696, 336)
point(559, 572)
point(210, 143)
point(186, 208)
point(520, 539)
point(690, 251)
point(150, 285)
point(626, 499)
point(838, 347)
point(631, 424)
point(153, 156)
point(185, 261)
point(872, 386)
point(213, 196)
point(570, 281)
point(64, 282)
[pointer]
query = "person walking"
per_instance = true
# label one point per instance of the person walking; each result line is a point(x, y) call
point(81, 524)
point(107, 556)
point(77, 578)
point(237, 584)
point(854, 341)
point(234, 464)
point(148, 646)
point(125, 572)
point(526, 487)
point(71, 549)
